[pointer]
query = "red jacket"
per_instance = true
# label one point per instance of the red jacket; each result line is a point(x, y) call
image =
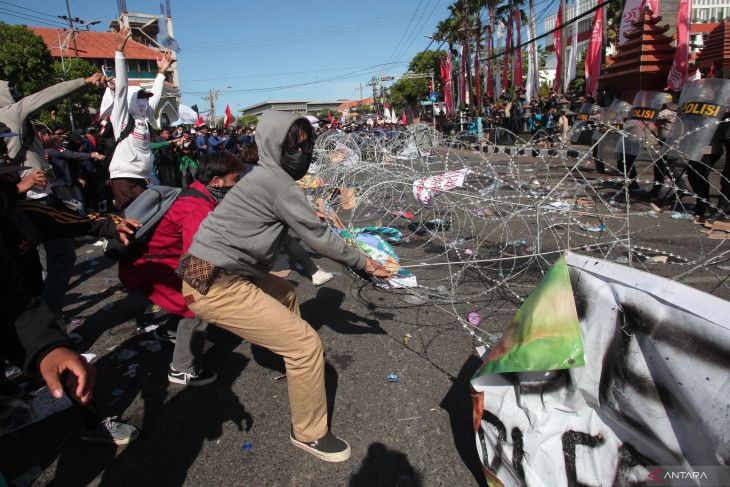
point(155, 276)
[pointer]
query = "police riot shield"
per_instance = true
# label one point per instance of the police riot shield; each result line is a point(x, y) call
point(702, 103)
point(610, 121)
point(581, 123)
point(639, 126)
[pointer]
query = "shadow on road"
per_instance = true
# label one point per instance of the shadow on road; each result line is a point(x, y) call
point(385, 467)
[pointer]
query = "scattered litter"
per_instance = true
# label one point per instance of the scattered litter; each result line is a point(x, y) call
point(117, 392)
point(347, 198)
point(416, 298)
point(151, 345)
point(656, 208)
point(584, 202)
point(247, 446)
point(90, 251)
point(588, 248)
point(112, 348)
point(98, 243)
point(474, 318)
point(484, 212)
point(403, 214)
point(622, 259)
point(442, 290)
point(594, 228)
point(682, 216)
point(493, 186)
point(131, 370)
point(652, 214)
point(125, 354)
point(76, 321)
point(494, 338)
point(279, 377)
point(150, 328)
point(89, 356)
point(409, 419)
point(12, 372)
point(560, 205)
point(393, 377)
point(407, 338)
point(152, 309)
point(660, 258)
point(468, 251)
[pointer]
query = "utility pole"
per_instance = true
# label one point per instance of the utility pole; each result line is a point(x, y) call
point(71, 25)
point(211, 98)
point(374, 83)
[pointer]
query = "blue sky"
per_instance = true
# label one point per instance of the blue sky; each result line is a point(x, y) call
point(278, 49)
point(254, 45)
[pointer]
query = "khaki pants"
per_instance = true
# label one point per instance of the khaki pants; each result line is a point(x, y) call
point(266, 312)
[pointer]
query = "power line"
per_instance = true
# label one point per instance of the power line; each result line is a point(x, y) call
point(29, 9)
point(31, 19)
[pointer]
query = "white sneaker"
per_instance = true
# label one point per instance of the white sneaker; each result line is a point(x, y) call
point(320, 277)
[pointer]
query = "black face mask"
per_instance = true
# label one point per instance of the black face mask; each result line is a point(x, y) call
point(8, 196)
point(218, 193)
point(296, 165)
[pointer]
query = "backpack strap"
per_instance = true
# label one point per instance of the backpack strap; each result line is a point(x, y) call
point(195, 193)
point(128, 129)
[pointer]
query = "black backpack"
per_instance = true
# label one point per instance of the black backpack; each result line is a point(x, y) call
point(148, 209)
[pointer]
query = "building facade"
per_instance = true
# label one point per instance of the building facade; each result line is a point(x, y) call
point(297, 106)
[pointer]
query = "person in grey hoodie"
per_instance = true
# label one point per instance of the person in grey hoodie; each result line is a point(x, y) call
point(226, 278)
point(15, 112)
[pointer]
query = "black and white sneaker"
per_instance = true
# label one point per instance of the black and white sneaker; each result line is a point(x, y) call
point(112, 431)
point(328, 448)
point(196, 378)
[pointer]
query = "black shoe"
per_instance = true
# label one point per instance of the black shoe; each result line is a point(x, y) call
point(328, 448)
point(196, 378)
point(165, 334)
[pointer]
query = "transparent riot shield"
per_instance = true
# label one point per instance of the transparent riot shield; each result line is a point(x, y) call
point(702, 103)
point(639, 128)
point(581, 123)
point(610, 121)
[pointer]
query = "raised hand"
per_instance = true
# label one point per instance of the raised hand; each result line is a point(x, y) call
point(96, 79)
point(164, 63)
point(122, 37)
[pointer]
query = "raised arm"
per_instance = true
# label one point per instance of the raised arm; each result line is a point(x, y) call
point(163, 64)
point(120, 112)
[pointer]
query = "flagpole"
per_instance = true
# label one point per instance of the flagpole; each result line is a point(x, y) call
point(562, 44)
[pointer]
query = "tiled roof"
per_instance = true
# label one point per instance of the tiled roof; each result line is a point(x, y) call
point(96, 45)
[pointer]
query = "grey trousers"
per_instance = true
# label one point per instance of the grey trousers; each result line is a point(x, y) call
point(189, 344)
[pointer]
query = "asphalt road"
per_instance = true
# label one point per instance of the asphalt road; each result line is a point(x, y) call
point(414, 432)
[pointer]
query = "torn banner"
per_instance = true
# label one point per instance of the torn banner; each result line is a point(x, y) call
point(653, 390)
point(375, 247)
point(425, 189)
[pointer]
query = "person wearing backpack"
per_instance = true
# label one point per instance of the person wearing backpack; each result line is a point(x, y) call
point(132, 164)
point(153, 273)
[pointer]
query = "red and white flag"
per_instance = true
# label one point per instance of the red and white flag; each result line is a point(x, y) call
point(462, 77)
point(507, 46)
point(517, 75)
point(229, 117)
point(678, 73)
point(489, 62)
point(557, 45)
point(593, 55)
point(477, 79)
point(632, 12)
point(200, 121)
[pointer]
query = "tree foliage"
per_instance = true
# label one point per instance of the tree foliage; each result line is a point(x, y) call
point(24, 59)
point(248, 120)
point(81, 101)
point(406, 91)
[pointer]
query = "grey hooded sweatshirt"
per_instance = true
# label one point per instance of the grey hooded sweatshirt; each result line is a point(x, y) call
point(16, 115)
point(245, 233)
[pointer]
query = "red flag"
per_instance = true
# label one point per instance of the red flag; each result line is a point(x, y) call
point(200, 121)
point(462, 77)
point(489, 62)
point(403, 119)
point(448, 87)
point(557, 44)
point(507, 45)
point(477, 80)
point(678, 73)
point(517, 75)
point(332, 120)
point(593, 55)
point(229, 117)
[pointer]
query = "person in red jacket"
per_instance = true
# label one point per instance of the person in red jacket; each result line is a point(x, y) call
point(153, 274)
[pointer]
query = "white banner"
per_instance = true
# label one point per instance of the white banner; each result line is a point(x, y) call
point(654, 390)
point(187, 115)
